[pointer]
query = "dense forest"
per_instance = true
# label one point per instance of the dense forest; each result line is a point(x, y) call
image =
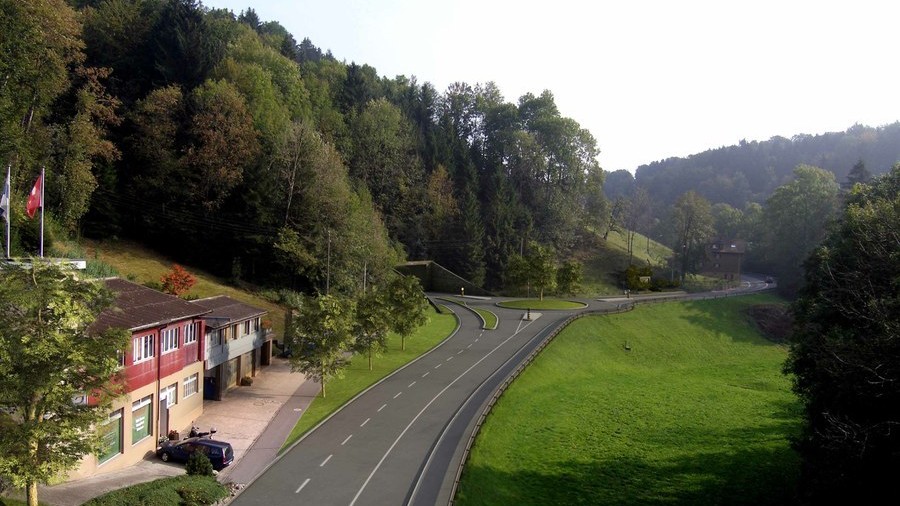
point(221, 140)
point(749, 172)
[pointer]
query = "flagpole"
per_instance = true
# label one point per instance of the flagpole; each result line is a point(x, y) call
point(8, 207)
point(43, 183)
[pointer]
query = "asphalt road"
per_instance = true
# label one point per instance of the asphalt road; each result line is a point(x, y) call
point(401, 441)
point(374, 450)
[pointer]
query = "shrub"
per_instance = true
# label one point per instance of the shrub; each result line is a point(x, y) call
point(199, 465)
point(177, 281)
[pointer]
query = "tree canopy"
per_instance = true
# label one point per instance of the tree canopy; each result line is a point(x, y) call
point(845, 352)
point(50, 357)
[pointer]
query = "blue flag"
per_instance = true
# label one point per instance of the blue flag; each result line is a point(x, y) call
point(4, 199)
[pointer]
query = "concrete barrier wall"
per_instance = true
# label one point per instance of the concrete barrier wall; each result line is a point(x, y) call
point(435, 278)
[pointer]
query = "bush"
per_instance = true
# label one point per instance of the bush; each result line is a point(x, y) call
point(199, 465)
point(187, 490)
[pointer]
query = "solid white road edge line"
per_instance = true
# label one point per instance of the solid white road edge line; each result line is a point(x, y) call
point(391, 448)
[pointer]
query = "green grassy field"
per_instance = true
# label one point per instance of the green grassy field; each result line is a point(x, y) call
point(357, 376)
point(547, 303)
point(603, 262)
point(142, 265)
point(697, 412)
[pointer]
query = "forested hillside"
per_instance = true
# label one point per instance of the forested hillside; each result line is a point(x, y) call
point(221, 140)
point(750, 171)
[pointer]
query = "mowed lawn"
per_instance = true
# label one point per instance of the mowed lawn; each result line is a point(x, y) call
point(697, 412)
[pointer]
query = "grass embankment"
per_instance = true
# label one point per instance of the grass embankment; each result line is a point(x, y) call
point(697, 412)
point(141, 265)
point(357, 376)
point(607, 258)
point(489, 318)
point(541, 304)
point(188, 490)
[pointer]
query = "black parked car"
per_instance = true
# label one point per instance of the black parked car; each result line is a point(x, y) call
point(220, 453)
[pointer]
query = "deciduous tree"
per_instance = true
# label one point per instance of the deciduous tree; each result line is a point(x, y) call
point(408, 304)
point(320, 331)
point(845, 352)
point(50, 355)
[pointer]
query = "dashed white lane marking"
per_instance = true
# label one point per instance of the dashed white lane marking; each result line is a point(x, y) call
point(364, 423)
point(469, 346)
point(437, 366)
point(382, 407)
point(476, 340)
point(419, 414)
point(302, 485)
point(411, 384)
point(326, 460)
point(348, 439)
point(449, 359)
point(459, 352)
point(426, 374)
point(398, 394)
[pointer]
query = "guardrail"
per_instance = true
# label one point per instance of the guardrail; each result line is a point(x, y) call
point(499, 391)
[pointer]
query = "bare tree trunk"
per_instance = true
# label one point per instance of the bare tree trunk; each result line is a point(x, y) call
point(370, 358)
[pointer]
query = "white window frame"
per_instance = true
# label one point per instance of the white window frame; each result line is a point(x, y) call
point(170, 394)
point(190, 333)
point(142, 348)
point(169, 339)
point(117, 418)
point(191, 386)
point(136, 405)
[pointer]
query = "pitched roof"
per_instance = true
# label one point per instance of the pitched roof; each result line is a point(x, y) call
point(223, 310)
point(137, 307)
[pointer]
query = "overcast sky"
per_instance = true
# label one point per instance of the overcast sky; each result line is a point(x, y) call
point(649, 79)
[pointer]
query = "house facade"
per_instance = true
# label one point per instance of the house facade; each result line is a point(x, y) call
point(162, 372)
point(237, 344)
point(723, 259)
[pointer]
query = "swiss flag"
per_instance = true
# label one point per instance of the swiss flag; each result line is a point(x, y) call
point(34, 200)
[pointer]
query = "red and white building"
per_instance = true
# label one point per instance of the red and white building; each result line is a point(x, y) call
point(163, 371)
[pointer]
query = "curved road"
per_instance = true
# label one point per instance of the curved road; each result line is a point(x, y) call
point(400, 442)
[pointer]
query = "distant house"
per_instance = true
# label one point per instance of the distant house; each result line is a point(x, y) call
point(723, 259)
point(237, 345)
point(162, 370)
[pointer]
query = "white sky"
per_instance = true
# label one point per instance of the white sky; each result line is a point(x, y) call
point(650, 79)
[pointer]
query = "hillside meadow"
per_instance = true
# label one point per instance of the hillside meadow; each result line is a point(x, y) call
point(674, 403)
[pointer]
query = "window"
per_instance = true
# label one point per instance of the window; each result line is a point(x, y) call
point(120, 358)
point(216, 337)
point(256, 325)
point(169, 339)
point(141, 416)
point(110, 432)
point(191, 385)
point(170, 395)
point(246, 327)
point(142, 348)
point(234, 331)
point(190, 333)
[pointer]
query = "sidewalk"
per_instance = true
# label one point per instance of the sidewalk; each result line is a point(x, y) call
point(255, 420)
